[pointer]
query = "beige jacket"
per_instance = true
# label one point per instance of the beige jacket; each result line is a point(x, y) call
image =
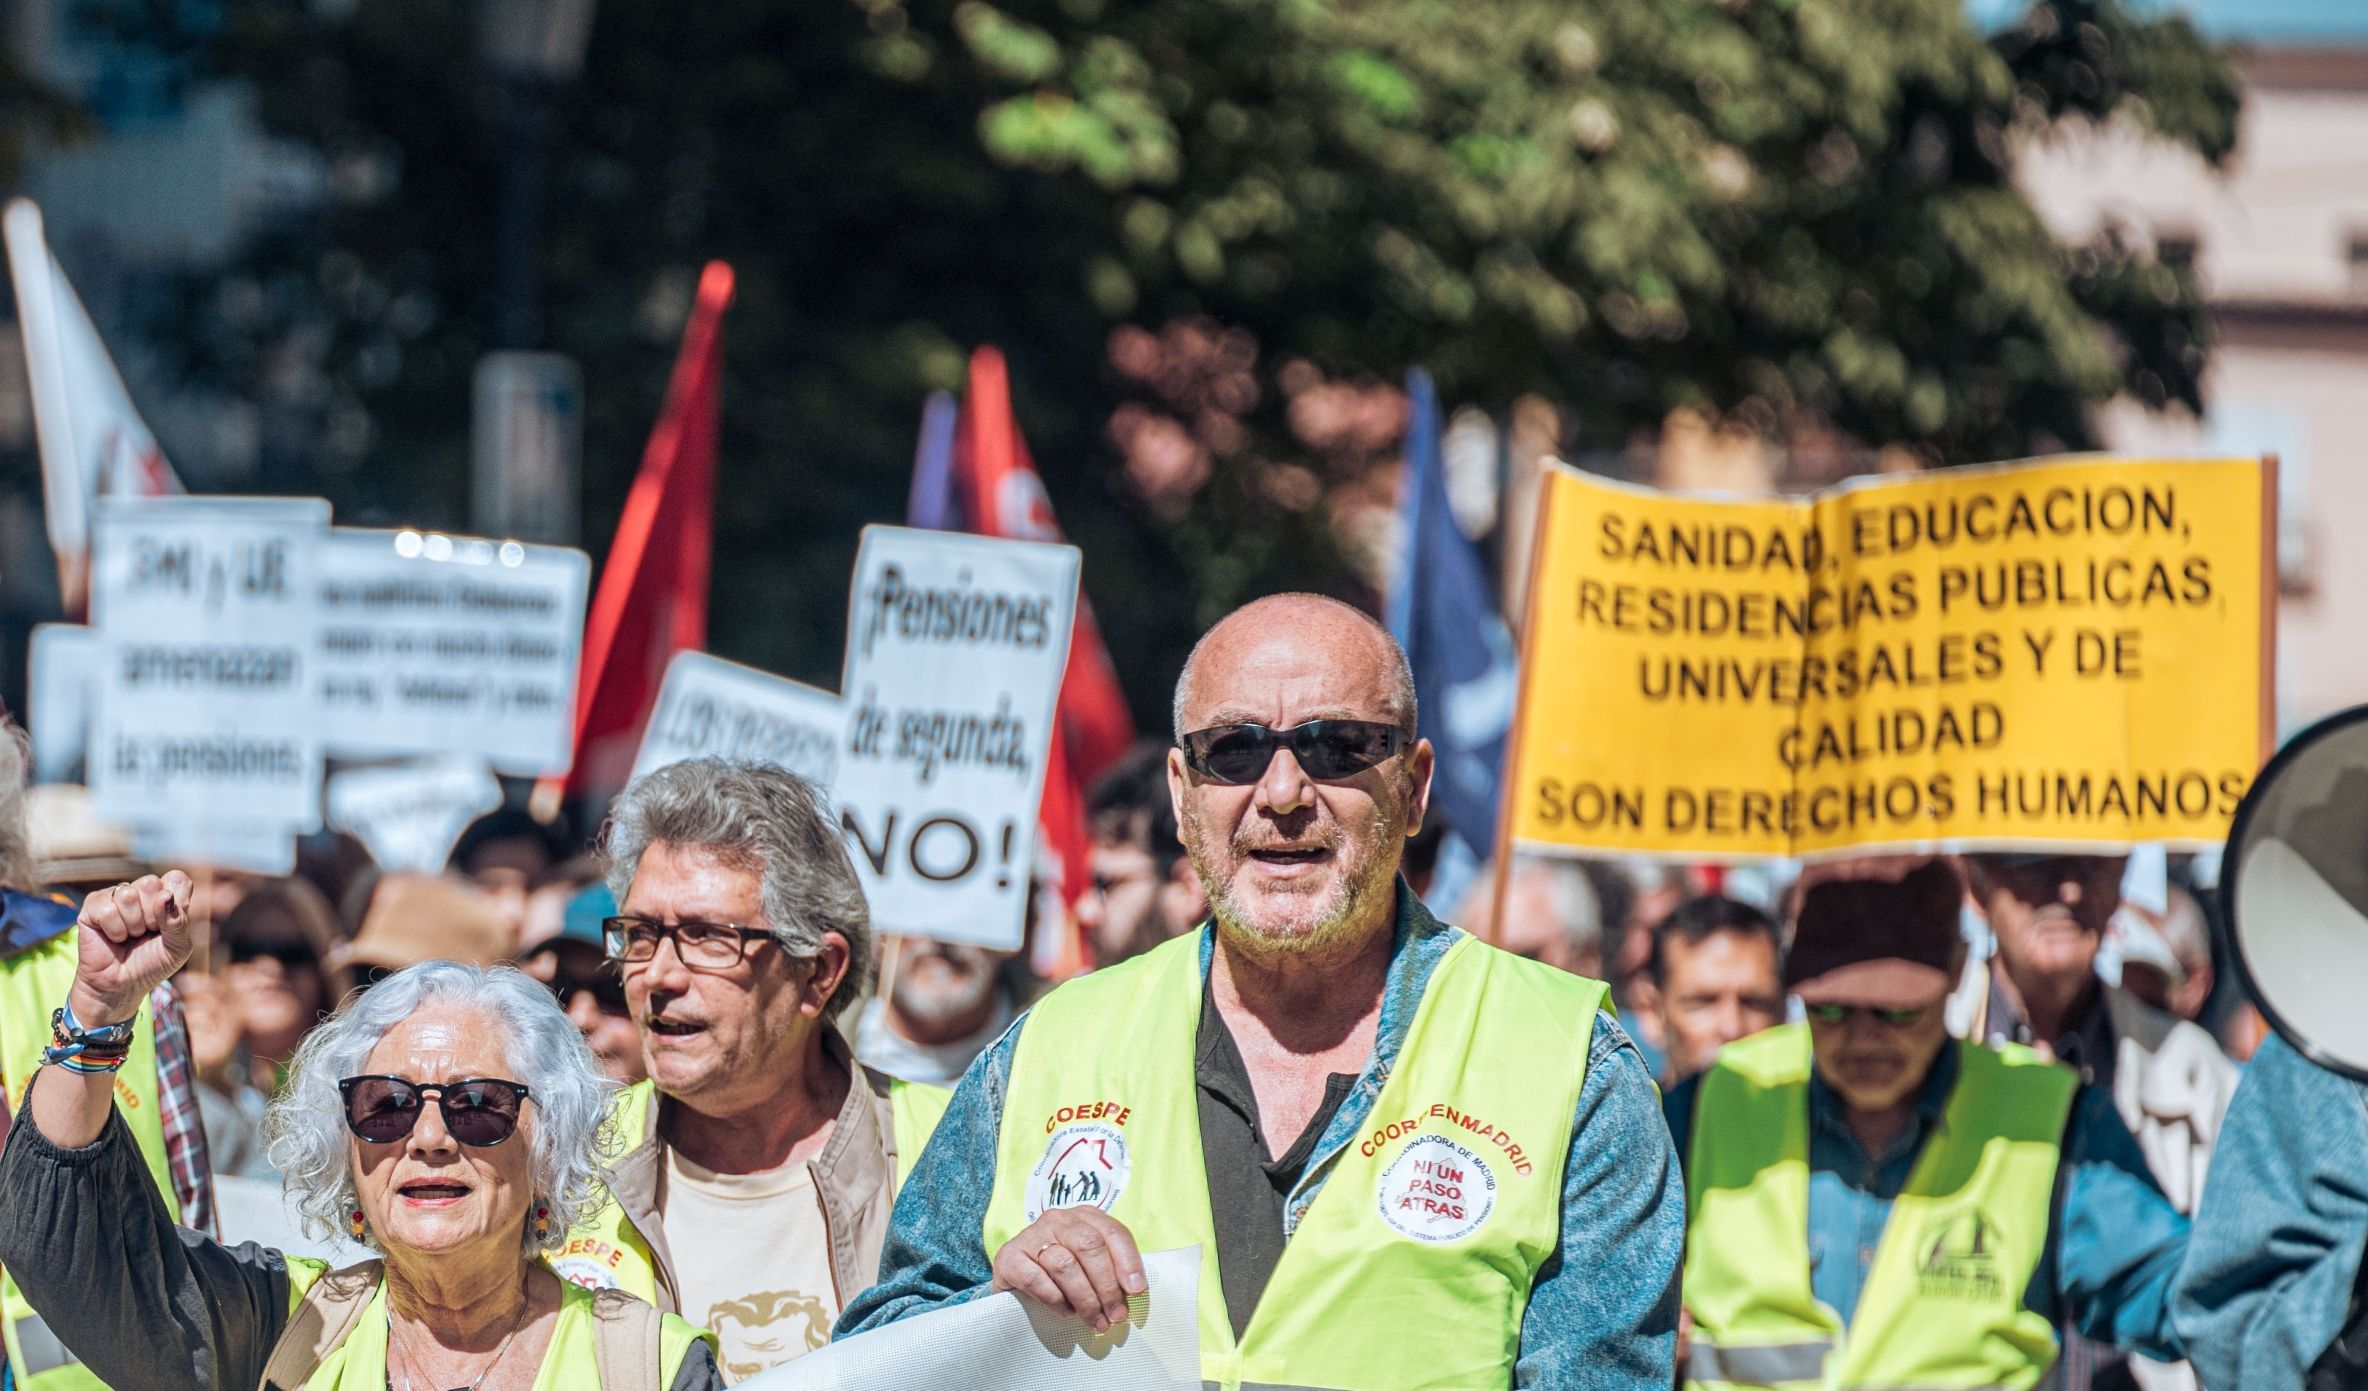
point(855, 1175)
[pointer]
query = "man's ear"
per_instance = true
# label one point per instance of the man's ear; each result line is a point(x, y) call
point(1420, 763)
point(830, 967)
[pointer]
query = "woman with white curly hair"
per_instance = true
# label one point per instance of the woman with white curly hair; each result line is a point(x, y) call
point(450, 1119)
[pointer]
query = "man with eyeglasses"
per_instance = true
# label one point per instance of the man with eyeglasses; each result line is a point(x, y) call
point(762, 1159)
point(1871, 1203)
point(1409, 1159)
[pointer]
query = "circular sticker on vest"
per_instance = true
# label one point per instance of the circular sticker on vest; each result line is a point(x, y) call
point(586, 1261)
point(1084, 1165)
point(1436, 1190)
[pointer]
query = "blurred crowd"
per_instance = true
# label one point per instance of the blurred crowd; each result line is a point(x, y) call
point(1694, 954)
point(2123, 986)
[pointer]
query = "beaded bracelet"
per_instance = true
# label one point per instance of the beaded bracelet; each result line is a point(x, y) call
point(91, 1052)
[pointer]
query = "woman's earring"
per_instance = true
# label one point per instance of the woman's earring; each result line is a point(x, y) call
point(357, 1226)
point(542, 1224)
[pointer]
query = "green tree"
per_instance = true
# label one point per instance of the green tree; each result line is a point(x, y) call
point(1206, 232)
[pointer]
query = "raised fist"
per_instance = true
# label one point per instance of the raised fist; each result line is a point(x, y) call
point(130, 939)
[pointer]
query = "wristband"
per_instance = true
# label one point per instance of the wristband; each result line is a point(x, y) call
point(86, 1050)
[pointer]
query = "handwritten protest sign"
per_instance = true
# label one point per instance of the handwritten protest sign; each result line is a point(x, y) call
point(708, 706)
point(955, 649)
point(435, 644)
point(2053, 653)
point(410, 814)
point(205, 712)
point(61, 673)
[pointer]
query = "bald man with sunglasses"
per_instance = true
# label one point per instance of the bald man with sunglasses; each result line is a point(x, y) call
point(1872, 1203)
point(1409, 1159)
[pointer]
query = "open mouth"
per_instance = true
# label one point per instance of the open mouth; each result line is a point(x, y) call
point(673, 1028)
point(1290, 855)
point(433, 1191)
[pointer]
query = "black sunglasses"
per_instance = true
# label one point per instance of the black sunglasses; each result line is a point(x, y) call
point(480, 1112)
point(1326, 750)
point(291, 955)
point(606, 990)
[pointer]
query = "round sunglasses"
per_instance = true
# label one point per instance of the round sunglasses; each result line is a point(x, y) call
point(479, 1112)
point(1326, 750)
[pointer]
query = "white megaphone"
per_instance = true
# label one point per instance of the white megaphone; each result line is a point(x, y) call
point(2294, 887)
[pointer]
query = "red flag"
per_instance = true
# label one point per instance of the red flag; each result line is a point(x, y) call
point(1004, 496)
point(652, 601)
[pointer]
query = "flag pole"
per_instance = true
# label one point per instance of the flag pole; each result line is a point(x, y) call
point(1500, 872)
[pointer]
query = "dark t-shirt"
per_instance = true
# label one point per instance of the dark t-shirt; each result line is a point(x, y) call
point(1247, 1189)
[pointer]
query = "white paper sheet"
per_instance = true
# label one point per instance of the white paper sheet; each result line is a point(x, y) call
point(1004, 1342)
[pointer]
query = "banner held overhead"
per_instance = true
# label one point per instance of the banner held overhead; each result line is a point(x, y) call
point(955, 651)
point(2055, 653)
point(205, 608)
point(435, 645)
point(410, 814)
point(711, 707)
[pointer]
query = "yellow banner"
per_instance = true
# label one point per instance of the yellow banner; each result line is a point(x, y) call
point(2065, 651)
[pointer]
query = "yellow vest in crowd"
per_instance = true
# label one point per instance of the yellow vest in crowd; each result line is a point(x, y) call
point(32, 983)
point(1943, 1303)
point(1412, 1267)
point(358, 1362)
point(607, 1252)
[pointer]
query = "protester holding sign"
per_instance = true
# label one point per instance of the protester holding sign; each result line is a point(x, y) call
point(1385, 1136)
point(2057, 650)
point(761, 1159)
point(2008, 1196)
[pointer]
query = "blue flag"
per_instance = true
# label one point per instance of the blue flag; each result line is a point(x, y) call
point(931, 504)
point(1443, 612)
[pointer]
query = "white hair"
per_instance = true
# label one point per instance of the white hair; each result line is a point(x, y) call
point(572, 1139)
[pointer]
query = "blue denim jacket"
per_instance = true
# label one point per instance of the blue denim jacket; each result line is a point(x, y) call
point(2280, 1230)
point(2113, 1248)
point(1602, 1313)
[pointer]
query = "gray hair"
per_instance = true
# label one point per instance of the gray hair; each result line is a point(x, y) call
point(767, 820)
point(1402, 702)
point(17, 866)
point(572, 1139)
point(1577, 906)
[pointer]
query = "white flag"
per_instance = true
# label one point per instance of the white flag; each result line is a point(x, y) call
point(92, 438)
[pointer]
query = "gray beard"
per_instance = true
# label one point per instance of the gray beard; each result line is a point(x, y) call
point(1350, 897)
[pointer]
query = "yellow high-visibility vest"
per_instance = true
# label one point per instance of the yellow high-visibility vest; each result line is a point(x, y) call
point(358, 1362)
point(609, 1252)
point(1413, 1265)
point(32, 984)
point(1943, 1302)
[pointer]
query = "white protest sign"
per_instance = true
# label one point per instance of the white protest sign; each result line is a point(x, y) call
point(205, 610)
point(409, 814)
point(708, 706)
point(955, 649)
point(435, 644)
point(61, 675)
point(221, 845)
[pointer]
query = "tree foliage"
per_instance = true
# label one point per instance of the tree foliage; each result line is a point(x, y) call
point(1205, 231)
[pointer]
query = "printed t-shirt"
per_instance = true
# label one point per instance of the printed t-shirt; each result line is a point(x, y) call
point(751, 1261)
